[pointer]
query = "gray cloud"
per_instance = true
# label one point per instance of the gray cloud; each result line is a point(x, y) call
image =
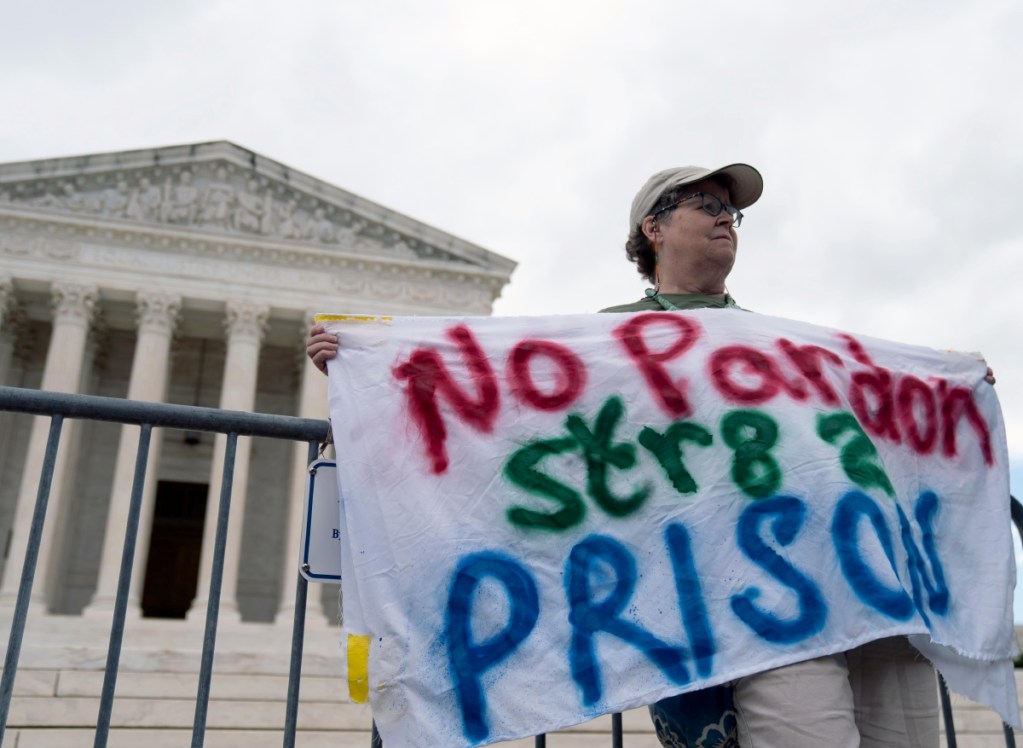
point(887, 134)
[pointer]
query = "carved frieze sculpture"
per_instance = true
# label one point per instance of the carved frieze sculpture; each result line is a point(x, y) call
point(221, 197)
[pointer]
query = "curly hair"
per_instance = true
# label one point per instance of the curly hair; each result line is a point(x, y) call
point(638, 248)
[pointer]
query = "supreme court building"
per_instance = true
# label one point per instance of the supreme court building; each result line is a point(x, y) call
point(188, 275)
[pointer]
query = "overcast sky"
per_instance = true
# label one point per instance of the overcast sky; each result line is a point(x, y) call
point(888, 134)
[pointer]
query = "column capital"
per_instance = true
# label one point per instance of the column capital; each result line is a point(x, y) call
point(100, 339)
point(14, 320)
point(6, 297)
point(16, 325)
point(8, 303)
point(246, 320)
point(73, 302)
point(156, 311)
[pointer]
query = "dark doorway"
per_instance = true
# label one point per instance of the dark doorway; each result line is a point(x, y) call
point(172, 568)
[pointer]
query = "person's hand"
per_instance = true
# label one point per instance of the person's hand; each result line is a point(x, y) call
point(990, 376)
point(320, 346)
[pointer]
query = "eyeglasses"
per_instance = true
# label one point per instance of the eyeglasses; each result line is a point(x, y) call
point(710, 205)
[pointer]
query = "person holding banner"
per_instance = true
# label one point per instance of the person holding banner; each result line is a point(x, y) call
point(683, 239)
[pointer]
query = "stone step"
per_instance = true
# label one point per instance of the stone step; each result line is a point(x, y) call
point(64, 738)
point(156, 645)
point(251, 722)
point(64, 705)
point(170, 713)
point(128, 738)
point(319, 658)
point(224, 686)
point(157, 723)
point(161, 713)
point(974, 720)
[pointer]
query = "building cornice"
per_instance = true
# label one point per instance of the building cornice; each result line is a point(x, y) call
point(221, 188)
point(127, 255)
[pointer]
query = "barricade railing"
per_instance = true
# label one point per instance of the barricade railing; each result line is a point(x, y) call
point(147, 416)
point(1016, 511)
point(59, 406)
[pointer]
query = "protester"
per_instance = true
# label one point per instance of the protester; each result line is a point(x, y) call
point(683, 240)
point(682, 237)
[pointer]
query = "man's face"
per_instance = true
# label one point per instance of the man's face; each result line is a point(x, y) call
point(691, 244)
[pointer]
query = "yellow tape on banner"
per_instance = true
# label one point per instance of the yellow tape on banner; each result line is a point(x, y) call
point(351, 318)
point(358, 668)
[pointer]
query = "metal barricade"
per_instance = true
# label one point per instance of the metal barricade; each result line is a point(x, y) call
point(148, 416)
point(233, 424)
point(946, 702)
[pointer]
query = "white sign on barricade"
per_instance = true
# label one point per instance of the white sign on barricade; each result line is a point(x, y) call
point(320, 559)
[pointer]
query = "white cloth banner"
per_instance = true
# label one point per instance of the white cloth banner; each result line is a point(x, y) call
point(545, 519)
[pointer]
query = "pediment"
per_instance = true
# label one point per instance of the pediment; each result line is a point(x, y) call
point(223, 189)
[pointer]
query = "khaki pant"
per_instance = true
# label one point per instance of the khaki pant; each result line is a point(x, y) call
point(880, 695)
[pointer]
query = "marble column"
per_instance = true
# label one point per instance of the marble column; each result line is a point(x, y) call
point(73, 306)
point(245, 324)
point(312, 403)
point(6, 331)
point(156, 317)
point(12, 325)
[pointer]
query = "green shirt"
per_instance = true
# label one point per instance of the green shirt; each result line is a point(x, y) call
point(681, 300)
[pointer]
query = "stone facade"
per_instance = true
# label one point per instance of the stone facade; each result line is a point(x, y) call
point(188, 275)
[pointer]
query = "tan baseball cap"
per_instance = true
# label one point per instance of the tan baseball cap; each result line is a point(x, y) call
point(744, 183)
